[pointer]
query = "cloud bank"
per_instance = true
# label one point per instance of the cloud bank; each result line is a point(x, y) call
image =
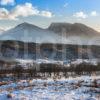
point(94, 13)
point(24, 10)
point(80, 15)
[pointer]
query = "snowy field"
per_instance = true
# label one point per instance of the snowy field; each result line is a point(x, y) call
point(80, 88)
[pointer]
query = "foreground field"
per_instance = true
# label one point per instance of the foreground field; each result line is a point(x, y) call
point(79, 88)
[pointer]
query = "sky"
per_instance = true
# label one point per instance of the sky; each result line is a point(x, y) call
point(43, 12)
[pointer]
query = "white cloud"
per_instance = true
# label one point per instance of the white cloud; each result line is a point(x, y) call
point(46, 14)
point(4, 13)
point(24, 10)
point(94, 13)
point(80, 15)
point(6, 2)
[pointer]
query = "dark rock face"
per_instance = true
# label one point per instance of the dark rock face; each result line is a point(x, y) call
point(73, 29)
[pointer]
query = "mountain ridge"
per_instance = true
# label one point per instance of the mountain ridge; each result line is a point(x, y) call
point(75, 33)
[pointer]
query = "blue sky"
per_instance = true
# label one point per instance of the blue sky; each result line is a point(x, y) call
point(44, 12)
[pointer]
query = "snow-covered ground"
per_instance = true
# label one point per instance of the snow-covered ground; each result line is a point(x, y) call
point(88, 61)
point(79, 88)
point(46, 61)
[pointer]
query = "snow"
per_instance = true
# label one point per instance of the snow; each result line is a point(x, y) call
point(30, 62)
point(24, 61)
point(46, 61)
point(62, 89)
point(39, 61)
point(91, 61)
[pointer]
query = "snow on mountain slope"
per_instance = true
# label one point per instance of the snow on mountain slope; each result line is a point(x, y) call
point(29, 33)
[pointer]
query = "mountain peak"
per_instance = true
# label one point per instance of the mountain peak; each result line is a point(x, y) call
point(66, 25)
point(72, 29)
point(26, 25)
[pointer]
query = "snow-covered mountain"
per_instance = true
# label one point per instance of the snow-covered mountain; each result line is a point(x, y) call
point(56, 33)
point(29, 33)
